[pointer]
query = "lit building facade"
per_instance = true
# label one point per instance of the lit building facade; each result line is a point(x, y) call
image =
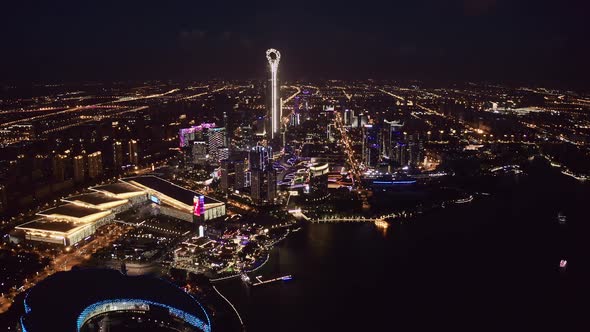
point(95, 165)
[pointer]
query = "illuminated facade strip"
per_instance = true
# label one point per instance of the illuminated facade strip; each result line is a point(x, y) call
point(102, 307)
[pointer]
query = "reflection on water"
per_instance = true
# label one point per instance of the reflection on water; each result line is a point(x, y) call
point(488, 265)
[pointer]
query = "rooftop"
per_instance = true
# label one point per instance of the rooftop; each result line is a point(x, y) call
point(169, 189)
point(94, 199)
point(118, 188)
point(46, 225)
point(70, 210)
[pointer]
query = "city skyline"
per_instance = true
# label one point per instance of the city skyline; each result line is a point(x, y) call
point(287, 194)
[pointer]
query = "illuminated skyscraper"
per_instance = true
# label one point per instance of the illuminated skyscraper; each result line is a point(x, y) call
point(199, 150)
point(274, 98)
point(117, 155)
point(226, 175)
point(59, 167)
point(133, 152)
point(94, 164)
point(216, 143)
point(79, 172)
point(240, 168)
point(391, 134)
point(259, 157)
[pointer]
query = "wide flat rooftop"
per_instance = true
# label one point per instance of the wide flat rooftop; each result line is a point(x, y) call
point(94, 199)
point(118, 188)
point(70, 210)
point(170, 189)
point(46, 225)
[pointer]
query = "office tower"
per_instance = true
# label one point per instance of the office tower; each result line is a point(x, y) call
point(227, 172)
point(271, 184)
point(331, 131)
point(274, 99)
point(226, 125)
point(223, 153)
point(370, 145)
point(294, 118)
point(94, 165)
point(247, 137)
point(391, 134)
point(348, 117)
point(117, 155)
point(240, 169)
point(259, 157)
point(216, 142)
point(263, 177)
point(194, 133)
point(58, 163)
point(401, 154)
point(199, 151)
point(256, 182)
point(133, 152)
point(416, 150)
point(318, 180)
point(79, 172)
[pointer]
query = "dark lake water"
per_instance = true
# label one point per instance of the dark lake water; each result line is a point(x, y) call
point(490, 265)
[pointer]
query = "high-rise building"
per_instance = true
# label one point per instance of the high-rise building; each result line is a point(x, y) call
point(271, 185)
point(79, 171)
point(216, 142)
point(95, 165)
point(247, 138)
point(199, 151)
point(259, 157)
point(133, 152)
point(117, 155)
point(257, 182)
point(391, 134)
point(416, 150)
point(194, 133)
point(401, 154)
point(59, 167)
point(227, 173)
point(263, 187)
point(274, 94)
point(295, 118)
point(240, 167)
point(348, 115)
point(223, 153)
point(318, 180)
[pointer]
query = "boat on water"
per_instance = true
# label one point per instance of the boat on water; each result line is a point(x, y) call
point(562, 264)
point(561, 218)
point(381, 223)
point(245, 278)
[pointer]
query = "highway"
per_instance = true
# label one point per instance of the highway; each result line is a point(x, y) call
point(109, 104)
point(354, 164)
point(291, 96)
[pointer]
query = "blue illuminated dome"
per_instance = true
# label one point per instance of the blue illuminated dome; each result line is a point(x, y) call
point(68, 300)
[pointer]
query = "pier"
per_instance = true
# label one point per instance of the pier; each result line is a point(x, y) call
point(262, 282)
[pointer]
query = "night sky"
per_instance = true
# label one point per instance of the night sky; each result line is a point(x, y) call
point(498, 40)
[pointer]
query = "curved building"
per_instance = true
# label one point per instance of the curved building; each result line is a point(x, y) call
point(71, 301)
